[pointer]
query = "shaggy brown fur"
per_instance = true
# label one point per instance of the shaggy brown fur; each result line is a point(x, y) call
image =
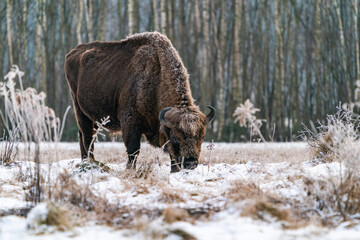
point(132, 81)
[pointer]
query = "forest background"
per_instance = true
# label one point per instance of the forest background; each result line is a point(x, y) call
point(294, 59)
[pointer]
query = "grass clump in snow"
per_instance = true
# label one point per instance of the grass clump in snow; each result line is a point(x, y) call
point(329, 139)
point(336, 198)
point(241, 190)
point(48, 217)
point(171, 195)
point(8, 148)
point(263, 209)
point(261, 205)
point(25, 111)
point(68, 189)
point(171, 215)
point(182, 234)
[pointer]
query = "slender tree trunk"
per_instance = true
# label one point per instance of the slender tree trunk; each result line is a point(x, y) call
point(343, 55)
point(356, 36)
point(280, 72)
point(220, 97)
point(204, 78)
point(9, 30)
point(120, 16)
point(103, 28)
point(156, 16)
point(133, 16)
point(23, 36)
point(79, 21)
point(237, 79)
point(87, 5)
point(163, 16)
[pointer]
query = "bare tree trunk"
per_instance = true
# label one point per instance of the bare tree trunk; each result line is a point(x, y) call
point(102, 26)
point(342, 42)
point(170, 20)
point(40, 27)
point(220, 97)
point(196, 50)
point(163, 16)
point(205, 54)
point(356, 36)
point(280, 71)
point(9, 30)
point(237, 80)
point(79, 21)
point(24, 36)
point(131, 17)
point(156, 16)
point(120, 16)
point(88, 16)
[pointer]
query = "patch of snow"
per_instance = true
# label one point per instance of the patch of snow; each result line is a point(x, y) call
point(36, 219)
point(7, 203)
point(204, 187)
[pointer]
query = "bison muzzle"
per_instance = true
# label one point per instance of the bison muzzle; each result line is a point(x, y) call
point(142, 85)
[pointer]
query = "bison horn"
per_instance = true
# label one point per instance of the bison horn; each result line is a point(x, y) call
point(211, 115)
point(162, 114)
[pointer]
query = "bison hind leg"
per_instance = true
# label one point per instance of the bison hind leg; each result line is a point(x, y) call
point(86, 130)
point(85, 138)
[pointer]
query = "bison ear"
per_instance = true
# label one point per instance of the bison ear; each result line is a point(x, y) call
point(161, 116)
point(211, 115)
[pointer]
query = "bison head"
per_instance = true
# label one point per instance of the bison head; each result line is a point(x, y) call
point(184, 129)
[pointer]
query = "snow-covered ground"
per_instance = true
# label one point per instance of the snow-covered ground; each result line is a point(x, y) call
point(207, 197)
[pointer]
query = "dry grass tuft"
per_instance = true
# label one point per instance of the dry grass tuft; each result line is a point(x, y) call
point(336, 198)
point(241, 190)
point(262, 209)
point(175, 214)
point(50, 214)
point(89, 205)
point(30, 188)
point(67, 189)
point(322, 147)
point(171, 195)
point(264, 206)
point(115, 215)
point(328, 140)
point(182, 234)
point(144, 170)
point(60, 216)
point(8, 149)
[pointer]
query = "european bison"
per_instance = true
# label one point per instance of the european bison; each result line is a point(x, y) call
point(142, 84)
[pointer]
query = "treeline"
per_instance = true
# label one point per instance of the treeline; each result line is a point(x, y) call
point(294, 59)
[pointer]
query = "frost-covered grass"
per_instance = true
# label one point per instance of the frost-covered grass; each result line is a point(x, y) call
point(245, 191)
point(115, 152)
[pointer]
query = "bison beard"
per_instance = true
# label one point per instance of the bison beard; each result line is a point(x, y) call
point(142, 85)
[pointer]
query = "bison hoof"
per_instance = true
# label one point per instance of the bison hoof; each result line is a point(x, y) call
point(130, 166)
point(175, 168)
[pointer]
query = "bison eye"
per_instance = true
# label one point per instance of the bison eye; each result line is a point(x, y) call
point(175, 145)
point(175, 141)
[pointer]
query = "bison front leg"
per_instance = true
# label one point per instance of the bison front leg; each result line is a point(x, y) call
point(132, 139)
point(175, 166)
